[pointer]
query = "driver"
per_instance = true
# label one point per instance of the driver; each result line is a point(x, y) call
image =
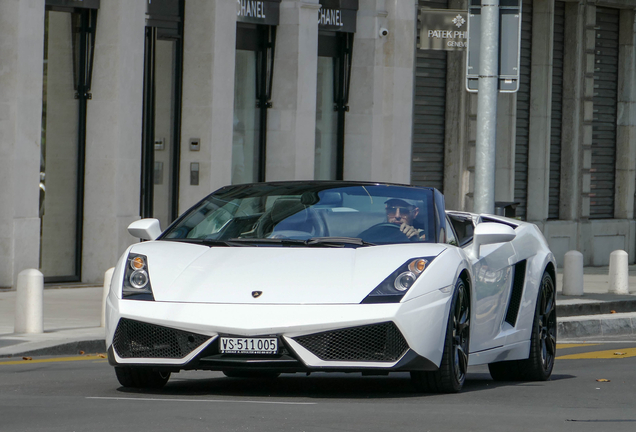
point(402, 212)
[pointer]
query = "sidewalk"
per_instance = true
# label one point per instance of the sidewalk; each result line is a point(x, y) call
point(72, 318)
point(597, 314)
point(72, 315)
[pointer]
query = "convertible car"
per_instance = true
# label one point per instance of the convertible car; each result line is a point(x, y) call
point(269, 278)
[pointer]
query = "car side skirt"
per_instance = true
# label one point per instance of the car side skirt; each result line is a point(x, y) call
point(516, 351)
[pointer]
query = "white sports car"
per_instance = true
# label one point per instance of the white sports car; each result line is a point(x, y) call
point(262, 279)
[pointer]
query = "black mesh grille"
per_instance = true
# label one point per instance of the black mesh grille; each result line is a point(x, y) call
point(134, 339)
point(377, 342)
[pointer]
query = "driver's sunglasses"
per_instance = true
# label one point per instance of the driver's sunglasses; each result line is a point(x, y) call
point(392, 210)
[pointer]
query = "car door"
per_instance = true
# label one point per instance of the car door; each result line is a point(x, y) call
point(493, 274)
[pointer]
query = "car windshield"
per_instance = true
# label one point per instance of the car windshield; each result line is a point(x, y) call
point(311, 213)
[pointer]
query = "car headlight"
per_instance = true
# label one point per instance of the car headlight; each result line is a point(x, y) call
point(136, 280)
point(393, 288)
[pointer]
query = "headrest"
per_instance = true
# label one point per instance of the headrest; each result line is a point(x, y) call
point(285, 207)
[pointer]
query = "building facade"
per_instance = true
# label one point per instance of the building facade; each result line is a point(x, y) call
point(114, 110)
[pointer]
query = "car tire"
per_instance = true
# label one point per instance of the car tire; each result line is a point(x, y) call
point(450, 376)
point(251, 374)
point(538, 366)
point(136, 377)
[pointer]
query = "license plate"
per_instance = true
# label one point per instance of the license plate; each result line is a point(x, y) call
point(233, 345)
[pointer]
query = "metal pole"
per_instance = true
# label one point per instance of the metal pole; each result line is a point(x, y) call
point(487, 109)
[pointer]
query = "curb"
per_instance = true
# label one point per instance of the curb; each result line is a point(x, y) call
point(69, 348)
point(596, 325)
point(596, 308)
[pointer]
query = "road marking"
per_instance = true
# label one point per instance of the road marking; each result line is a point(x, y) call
point(51, 360)
point(573, 345)
point(618, 353)
point(601, 342)
point(201, 400)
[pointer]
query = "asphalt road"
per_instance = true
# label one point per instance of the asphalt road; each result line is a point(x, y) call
point(82, 394)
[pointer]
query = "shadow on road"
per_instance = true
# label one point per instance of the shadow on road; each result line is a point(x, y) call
point(318, 385)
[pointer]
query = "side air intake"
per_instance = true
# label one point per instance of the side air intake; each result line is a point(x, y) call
point(518, 281)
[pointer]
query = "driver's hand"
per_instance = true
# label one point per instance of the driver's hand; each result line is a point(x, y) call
point(408, 230)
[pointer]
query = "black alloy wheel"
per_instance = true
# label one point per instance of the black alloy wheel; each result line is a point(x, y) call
point(461, 332)
point(450, 376)
point(547, 325)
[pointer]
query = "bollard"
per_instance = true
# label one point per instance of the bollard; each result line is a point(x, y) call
point(619, 272)
point(108, 277)
point(28, 302)
point(573, 273)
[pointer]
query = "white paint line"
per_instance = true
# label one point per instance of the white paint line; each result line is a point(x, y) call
point(202, 400)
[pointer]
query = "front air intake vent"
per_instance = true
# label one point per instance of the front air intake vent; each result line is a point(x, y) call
point(135, 339)
point(376, 342)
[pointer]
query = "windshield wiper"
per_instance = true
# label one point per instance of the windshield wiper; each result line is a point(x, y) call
point(337, 241)
point(264, 241)
point(205, 242)
point(314, 242)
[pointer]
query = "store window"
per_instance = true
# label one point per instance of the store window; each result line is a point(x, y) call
point(337, 26)
point(69, 39)
point(254, 68)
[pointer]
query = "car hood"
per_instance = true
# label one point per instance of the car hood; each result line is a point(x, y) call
point(182, 272)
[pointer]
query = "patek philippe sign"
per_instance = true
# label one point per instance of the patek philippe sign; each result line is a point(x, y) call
point(258, 11)
point(443, 29)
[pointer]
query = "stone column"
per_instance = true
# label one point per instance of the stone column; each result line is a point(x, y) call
point(21, 54)
point(291, 123)
point(113, 136)
point(378, 136)
point(540, 110)
point(572, 129)
point(208, 96)
point(456, 148)
point(626, 128)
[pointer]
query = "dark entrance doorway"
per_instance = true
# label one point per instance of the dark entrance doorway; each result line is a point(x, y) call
point(161, 137)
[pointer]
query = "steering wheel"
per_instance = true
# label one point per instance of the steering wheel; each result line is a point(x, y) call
point(385, 232)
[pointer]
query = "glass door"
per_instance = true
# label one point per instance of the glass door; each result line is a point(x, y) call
point(252, 94)
point(332, 97)
point(162, 122)
point(246, 137)
point(68, 43)
point(326, 160)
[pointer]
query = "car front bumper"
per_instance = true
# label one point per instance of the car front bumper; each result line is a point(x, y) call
point(410, 333)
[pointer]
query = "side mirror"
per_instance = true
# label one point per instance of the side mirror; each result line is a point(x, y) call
point(145, 229)
point(490, 233)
